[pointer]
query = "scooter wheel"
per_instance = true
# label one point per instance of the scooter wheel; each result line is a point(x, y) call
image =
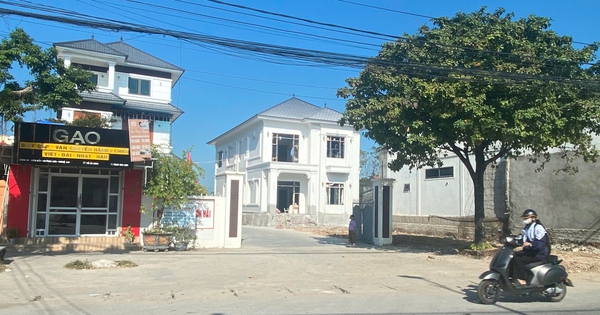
point(488, 291)
point(557, 297)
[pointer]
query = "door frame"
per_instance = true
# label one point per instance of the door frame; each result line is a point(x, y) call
point(57, 172)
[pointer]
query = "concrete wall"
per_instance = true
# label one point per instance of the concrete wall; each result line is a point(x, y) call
point(568, 205)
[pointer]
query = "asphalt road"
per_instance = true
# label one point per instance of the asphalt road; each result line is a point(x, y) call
point(275, 272)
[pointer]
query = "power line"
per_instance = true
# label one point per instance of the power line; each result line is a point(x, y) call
point(307, 56)
point(386, 9)
point(420, 40)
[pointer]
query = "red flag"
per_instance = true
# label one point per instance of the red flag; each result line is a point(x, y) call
point(189, 158)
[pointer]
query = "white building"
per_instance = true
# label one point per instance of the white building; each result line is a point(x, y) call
point(444, 191)
point(131, 84)
point(295, 158)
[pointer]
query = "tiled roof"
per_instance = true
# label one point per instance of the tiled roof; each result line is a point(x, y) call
point(102, 96)
point(293, 108)
point(139, 57)
point(91, 45)
point(153, 106)
point(121, 49)
point(327, 114)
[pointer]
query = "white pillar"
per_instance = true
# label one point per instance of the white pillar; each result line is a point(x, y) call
point(382, 229)
point(67, 60)
point(111, 76)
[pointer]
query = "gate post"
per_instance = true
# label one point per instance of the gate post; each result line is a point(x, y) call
point(233, 214)
point(383, 211)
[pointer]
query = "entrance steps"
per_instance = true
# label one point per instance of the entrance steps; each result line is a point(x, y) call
point(74, 244)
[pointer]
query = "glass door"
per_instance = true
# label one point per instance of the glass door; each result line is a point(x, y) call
point(77, 203)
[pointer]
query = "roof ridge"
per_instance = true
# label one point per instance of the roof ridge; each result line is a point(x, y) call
point(92, 40)
point(110, 45)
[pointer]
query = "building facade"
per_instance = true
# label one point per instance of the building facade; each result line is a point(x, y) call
point(77, 181)
point(295, 159)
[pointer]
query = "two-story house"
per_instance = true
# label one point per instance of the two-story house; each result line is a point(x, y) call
point(295, 159)
point(77, 181)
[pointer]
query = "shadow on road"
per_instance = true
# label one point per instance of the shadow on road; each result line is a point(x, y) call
point(403, 243)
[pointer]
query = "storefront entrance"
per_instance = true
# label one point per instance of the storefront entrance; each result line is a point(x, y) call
point(74, 202)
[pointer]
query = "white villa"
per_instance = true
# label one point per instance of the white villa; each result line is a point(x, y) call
point(295, 158)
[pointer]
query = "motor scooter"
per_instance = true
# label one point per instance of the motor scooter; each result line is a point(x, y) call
point(547, 278)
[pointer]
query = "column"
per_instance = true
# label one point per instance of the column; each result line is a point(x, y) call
point(111, 76)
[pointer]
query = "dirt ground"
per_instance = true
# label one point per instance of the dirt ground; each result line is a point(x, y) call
point(576, 258)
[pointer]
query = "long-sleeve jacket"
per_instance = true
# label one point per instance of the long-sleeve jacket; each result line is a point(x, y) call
point(538, 237)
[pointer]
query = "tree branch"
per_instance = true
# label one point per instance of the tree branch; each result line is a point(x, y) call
point(27, 90)
point(464, 157)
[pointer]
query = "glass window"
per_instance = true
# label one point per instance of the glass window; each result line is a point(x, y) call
point(439, 172)
point(285, 148)
point(64, 191)
point(220, 158)
point(42, 202)
point(114, 184)
point(62, 224)
point(93, 224)
point(335, 193)
point(94, 193)
point(139, 86)
point(94, 79)
point(43, 182)
point(335, 147)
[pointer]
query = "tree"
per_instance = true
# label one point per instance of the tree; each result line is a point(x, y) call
point(170, 181)
point(482, 86)
point(52, 85)
point(369, 166)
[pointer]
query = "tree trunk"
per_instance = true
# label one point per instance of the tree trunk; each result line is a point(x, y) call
point(479, 202)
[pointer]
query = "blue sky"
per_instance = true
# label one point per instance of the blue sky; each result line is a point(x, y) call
point(222, 88)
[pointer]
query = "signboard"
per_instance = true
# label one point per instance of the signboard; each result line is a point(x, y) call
point(70, 146)
point(195, 212)
point(139, 139)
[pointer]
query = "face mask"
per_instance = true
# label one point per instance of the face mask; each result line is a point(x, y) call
point(528, 221)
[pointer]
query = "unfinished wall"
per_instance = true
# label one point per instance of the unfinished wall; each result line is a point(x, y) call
point(568, 205)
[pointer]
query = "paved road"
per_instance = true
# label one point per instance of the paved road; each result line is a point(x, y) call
point(276, 272)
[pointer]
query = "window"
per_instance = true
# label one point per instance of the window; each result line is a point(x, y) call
point(335, 194)
point(285, 148)
point(439, 172)
point(94, 79)
point(253, 200)
point(335, 147)
point(139, 86)
point(220, 158)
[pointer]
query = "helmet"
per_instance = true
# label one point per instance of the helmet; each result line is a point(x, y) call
point(529, 213)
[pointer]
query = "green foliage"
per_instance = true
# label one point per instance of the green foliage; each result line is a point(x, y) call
point(91, 120)
point(128, 234)
point(170, 181)
point(481, 86)
point(182, 234)
point(369, 166)
point(52, 85)
point(125, 263)
point(12, 232)
point(79, 265)
point(481, 246)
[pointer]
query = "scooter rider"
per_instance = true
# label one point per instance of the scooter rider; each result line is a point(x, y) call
point(536, 245)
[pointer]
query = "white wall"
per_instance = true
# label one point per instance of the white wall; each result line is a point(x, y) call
point(447, 196)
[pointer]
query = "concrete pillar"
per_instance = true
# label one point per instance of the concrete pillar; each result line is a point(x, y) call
point(233, 213)
point(111, 76)
point(383, 211)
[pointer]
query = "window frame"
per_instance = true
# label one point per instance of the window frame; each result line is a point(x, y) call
point(341, 143)
point(139, 86)
point(339, 197)
point(440, 172)
point(220, 156)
